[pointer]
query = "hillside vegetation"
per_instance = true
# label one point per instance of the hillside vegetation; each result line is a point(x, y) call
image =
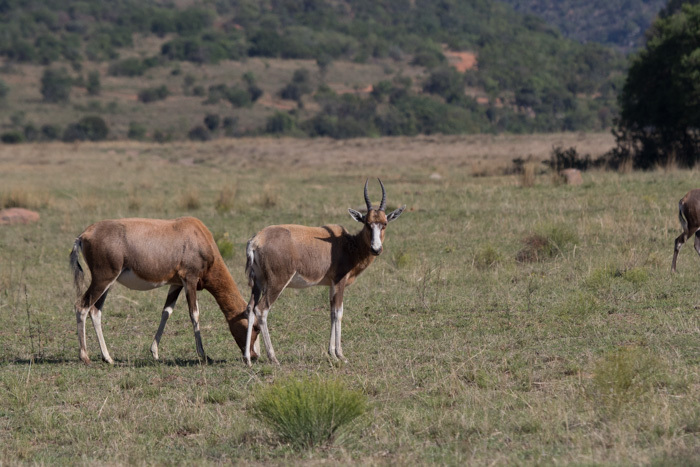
point(619, 23)
point(127, 56)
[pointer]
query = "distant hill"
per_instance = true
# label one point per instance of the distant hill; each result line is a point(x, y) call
point(516, 73)
point(619, 23)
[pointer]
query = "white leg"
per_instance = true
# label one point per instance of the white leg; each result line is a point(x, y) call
point(173, 294)
point(338, 325)
point(81, 315)
point(249, 336)
point(96, 316)
point(266, 336)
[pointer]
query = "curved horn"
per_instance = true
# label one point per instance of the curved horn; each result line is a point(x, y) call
point(369, 203)
point(382, 205)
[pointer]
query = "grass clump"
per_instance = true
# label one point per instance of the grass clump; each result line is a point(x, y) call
point(487, 256)
point(190, 199)
point(225, 202)
point(624, 376)
point(225, 245)
point(308, 412)
point(546, 243)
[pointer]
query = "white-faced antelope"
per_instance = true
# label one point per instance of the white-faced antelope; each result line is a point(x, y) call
point(296, 256)
point(689, 216)
point(143, 254)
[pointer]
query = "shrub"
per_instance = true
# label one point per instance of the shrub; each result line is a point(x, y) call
point(225, 201)
point(199, 133)
point(211, 121)
point(136, 131)
point(90, 128)
point(93, 85)
point(50, 132)
point(31, 132)
point(225, 245)
point(561, 159)
point(4, 89)
point(56, 85)
point(12, 137)
point(154, 94)
point(280, 123)
point(308, 412)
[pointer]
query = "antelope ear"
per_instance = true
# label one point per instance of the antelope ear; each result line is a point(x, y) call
point(357, 215)
point(395, 215)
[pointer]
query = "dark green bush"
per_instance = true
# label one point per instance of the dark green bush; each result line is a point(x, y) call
point(91, 128)
point(12, 137)
point(280, 123)
point(128, 67)
point(136, 131)
point(50, 132)
point(199, 133)
point(211, 121)
point(154, 94)
point(56, 85)
point(93, 85)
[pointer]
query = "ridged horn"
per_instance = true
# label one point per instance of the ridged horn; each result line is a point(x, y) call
point(367, 201)
point(382, 205)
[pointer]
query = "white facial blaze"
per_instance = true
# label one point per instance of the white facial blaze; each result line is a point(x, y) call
point(376, 237)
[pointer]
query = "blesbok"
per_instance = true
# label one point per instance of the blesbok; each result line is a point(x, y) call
point(296, 256)
point(689, 215)
point(144, 254)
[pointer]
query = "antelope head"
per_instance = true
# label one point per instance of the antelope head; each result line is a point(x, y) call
point(375, 220)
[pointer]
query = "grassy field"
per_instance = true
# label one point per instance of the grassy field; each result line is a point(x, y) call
point(502, 324)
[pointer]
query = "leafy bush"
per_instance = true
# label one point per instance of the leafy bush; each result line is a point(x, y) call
point(50, 132)
point(561, 159)
point(211, 121)
point(136, 131)
point(280, 123)
point(56, 85)
point(91, 128)
point(154, 94)
point(12, 137)
point(199, 133)
point(308, 412)
point(93, 85)
point(4, 89)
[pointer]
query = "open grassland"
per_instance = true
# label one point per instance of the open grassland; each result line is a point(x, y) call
point(584, 351)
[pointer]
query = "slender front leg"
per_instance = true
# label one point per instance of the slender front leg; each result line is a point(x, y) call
point(266, 335)
point(173, 294)
point(335, 348)
point(191, 294)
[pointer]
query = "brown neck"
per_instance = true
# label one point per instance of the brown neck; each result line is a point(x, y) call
point(221, 285)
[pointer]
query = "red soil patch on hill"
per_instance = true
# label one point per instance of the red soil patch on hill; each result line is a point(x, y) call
point(462, 61)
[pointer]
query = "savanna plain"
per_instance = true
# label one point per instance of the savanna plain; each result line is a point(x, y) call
point(504, 323)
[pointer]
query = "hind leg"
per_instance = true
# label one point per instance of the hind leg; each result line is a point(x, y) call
point(191, 295)
point(94, 295)
point(680, 240)
point(96, 316)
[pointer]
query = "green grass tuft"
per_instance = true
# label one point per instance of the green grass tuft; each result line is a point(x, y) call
point(308, 412)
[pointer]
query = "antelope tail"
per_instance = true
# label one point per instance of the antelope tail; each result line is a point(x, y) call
point(78, 274)
point(684, 222)
point(250, 259)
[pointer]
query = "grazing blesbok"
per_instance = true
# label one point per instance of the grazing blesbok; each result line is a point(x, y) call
point(143, 254)
point(296, 256)
point(689, 215)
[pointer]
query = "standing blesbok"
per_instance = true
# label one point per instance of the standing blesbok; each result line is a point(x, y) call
point(143, 254)
point(689, 215)
point(296, 256)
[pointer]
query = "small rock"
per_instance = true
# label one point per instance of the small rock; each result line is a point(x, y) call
point(572, 176)
point(17, 216)
point(435, 176)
